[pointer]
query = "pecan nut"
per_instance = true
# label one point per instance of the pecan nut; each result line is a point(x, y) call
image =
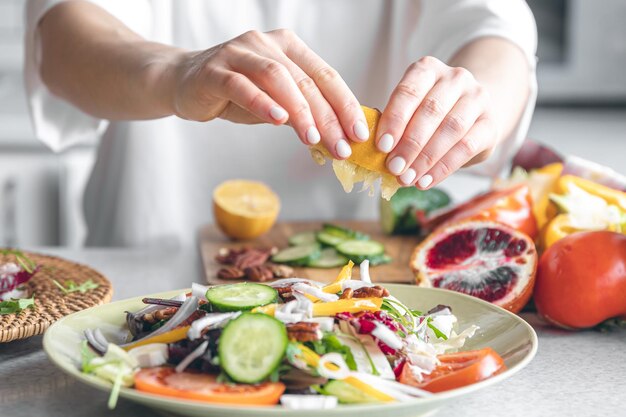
point(163, 314)
point(346, 294)
point(227, 256)
point(303, 331)
point(285, 293)
point(366, 292)
point(282, 271)
point(260, 273)
point(251, 258)
point(230, 272)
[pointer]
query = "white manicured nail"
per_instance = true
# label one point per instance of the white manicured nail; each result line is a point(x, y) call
point(278, 113)
point(425, 181)
point(385, 143)
point(343, 148)
point(361, 131)
point(408, 177)
point(396, 165)
point(313, 135)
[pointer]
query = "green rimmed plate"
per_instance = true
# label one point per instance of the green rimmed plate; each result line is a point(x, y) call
point(506, 333)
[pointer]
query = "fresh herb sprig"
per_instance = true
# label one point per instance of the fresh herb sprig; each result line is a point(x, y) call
point(25, 262)
point(71, 286)
point(16, 305)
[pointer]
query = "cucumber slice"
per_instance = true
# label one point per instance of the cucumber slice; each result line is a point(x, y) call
point(240, 297)
point(346, 393)
point(330, 239)
point(301, 239)
point(329, 258)
point(251, 347)
point(359, 250)
point(343, 232)
point(298, 255)
point(380, 259)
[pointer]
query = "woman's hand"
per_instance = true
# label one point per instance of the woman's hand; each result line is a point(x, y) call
point(270, 77)
point(438, 119)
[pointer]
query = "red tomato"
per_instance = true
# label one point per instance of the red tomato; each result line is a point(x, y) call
point(203, 387)
point(581, 279)
point(457, 370)
point(511, 207)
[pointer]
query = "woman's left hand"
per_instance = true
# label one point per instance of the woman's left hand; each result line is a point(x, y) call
point(438, 119)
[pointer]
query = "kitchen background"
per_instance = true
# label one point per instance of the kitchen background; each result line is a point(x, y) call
point(581, 111)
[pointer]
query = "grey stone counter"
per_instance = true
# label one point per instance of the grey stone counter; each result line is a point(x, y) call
point(573, 374)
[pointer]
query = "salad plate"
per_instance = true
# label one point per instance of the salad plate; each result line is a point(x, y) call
point(507, 334)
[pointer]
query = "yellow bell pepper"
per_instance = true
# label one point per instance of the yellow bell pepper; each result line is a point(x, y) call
point(345, 274)
point(352, 305)
point(542, 208)
point(313, 359)
point(561, 225)
point(174, 335)
point(608, 194)
point(557, 229)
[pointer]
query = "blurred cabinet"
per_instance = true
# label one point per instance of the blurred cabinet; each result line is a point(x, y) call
point(29, 198)
point(41, 196)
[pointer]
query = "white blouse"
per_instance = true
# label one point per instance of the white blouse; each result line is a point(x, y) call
point(152, 180)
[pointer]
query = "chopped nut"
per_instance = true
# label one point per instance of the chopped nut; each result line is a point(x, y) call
point(366, 292)
point(230, 272)
point(346, 294)
point(163, 314)
point(259, 273)
point(285, 293)
point(281, 271)
point(303, 331)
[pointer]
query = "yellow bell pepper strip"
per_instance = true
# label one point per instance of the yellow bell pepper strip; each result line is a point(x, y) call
point(329, 309)
point(609, 195)
point(313, 359)
point(557, 229)
point(345, 274)
point(542, 209)
point(334, 287)
point(174, 335)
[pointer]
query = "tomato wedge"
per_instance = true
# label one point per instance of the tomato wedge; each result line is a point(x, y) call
point(457, 370)
point(203, 387)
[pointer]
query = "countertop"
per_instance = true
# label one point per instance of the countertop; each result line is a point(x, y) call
point(573, 374)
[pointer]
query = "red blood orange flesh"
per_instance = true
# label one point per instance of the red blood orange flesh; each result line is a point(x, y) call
point(484, 259)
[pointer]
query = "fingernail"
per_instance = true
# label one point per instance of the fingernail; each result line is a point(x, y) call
point(312, 135)
point(278, 113)
point(396, 165)
point(408, 177)
point(425, 181)
point(343, 148)
point(361, 131)
point(385, 143)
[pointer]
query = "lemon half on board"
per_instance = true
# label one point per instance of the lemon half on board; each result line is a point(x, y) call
point(244, 209)
point(366, 164)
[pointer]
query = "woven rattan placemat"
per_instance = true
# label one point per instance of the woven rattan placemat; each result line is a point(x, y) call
point(50, 302)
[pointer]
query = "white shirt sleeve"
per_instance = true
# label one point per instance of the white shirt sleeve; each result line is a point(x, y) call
point(56, 122)
point(447, 25)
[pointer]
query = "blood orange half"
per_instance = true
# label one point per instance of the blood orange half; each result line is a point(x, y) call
point(484, 259)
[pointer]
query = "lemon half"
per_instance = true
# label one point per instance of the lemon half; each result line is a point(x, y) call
point(245, 209)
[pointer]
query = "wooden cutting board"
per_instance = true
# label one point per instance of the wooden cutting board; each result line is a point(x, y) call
point(398, 247)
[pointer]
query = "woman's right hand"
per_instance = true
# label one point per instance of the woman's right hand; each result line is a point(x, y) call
point(270, 77)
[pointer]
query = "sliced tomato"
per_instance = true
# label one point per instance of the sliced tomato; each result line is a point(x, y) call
point(203, 387)
point(457, 370)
